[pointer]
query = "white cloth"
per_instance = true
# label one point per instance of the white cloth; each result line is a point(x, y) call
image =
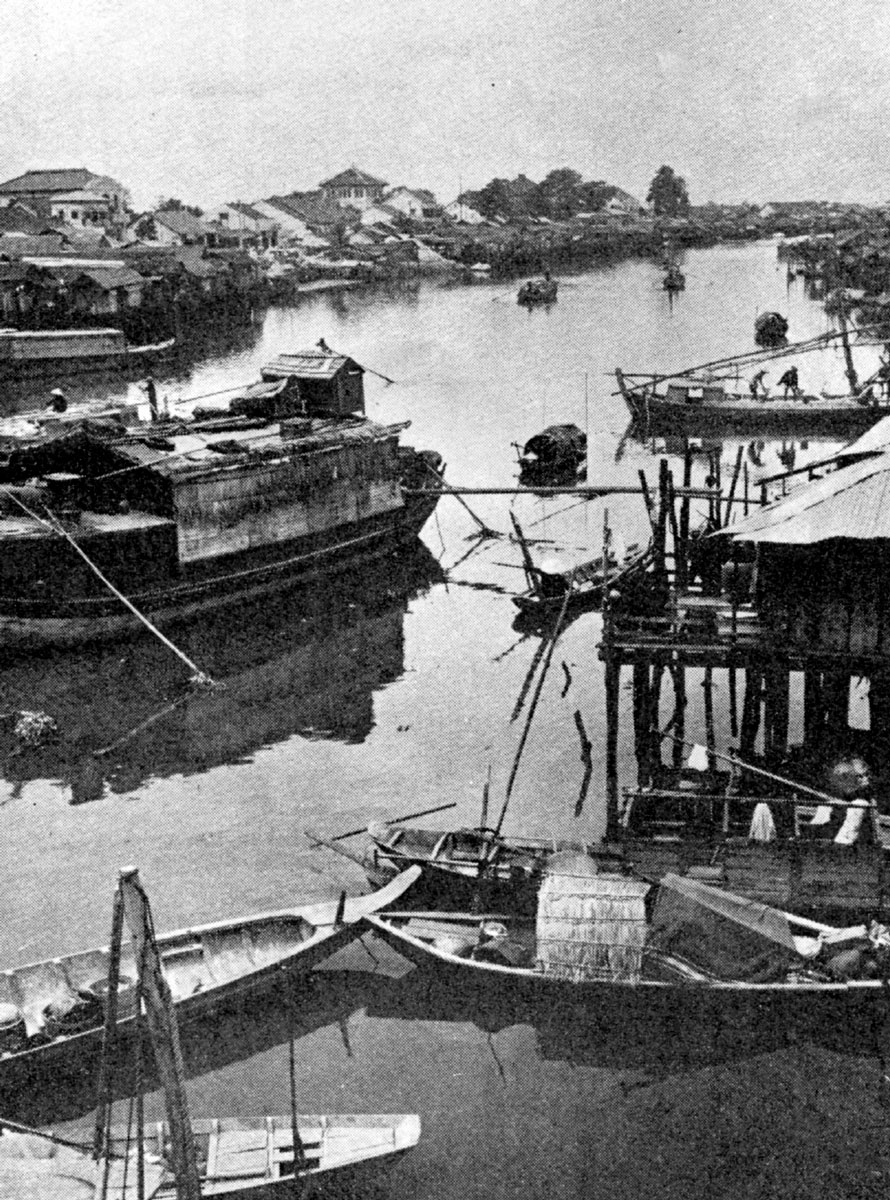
point(763, 827)
point(849, 832)
point(698, 760)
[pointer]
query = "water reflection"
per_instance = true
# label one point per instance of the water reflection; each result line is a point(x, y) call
point(307, 662)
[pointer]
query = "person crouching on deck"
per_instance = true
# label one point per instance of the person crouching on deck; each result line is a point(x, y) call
point(790, 382)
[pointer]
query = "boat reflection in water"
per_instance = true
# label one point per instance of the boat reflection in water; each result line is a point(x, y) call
point(307, 662)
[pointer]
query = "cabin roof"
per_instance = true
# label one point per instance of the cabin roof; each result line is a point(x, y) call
point(852, 503)
point(309, 364)
point(193, 453)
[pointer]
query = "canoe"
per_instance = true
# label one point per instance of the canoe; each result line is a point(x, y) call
point(583, 583)
point(598, 939)
point(460, 865)
point(683, 403)
point(242, 1158)
point(53, 1012)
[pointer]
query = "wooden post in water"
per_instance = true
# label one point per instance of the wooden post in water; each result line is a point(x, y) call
point(776, 712)
point(641, 720)
point(751, 711)
point(654, 742)
point(679, 713)
point(613, 683)
point(836, 701)
point(813, 713)
point(710, 738)
point(661, 522)
point(684, 509)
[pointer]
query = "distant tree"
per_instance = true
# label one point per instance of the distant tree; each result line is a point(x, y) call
point(171, 204)
point(559, 193)
point(593, 195)
point(667, 194)
point(146, 230)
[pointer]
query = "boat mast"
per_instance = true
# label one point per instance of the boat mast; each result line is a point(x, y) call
point(164, 1033)
point(852, 377)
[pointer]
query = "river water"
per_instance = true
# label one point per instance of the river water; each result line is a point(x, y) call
point(390, 692)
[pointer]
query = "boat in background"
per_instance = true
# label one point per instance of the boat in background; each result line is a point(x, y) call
point(182, 516)
point(538, 291)
point(556, 452)
point(697, 402)
point(674, 280)
point(770, 329)
point(60, 351)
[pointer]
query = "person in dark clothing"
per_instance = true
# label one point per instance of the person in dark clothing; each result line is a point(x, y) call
point(789, 381)
point(152, 392)
point(58, 402)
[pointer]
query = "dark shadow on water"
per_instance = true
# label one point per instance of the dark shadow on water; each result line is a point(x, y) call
point(307, 661)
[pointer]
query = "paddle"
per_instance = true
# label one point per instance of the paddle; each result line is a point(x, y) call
point(392, 821)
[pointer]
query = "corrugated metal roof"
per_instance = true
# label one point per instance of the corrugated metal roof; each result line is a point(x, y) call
point(353, 177)
point(852, 503)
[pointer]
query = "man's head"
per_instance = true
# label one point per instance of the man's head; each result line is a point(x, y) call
point(849, 777)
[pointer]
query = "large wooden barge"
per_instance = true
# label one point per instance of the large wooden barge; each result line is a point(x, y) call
point(182, 516)
point(50, 351)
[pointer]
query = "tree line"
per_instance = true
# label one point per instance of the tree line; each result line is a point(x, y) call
point(563, 193)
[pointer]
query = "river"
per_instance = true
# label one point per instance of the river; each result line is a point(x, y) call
point(391, 692)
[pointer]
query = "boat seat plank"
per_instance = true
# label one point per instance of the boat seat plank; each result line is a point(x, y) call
point(227, 955)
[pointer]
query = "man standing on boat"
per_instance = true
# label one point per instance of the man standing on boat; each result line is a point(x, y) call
point(790, 382)
point(756, 386)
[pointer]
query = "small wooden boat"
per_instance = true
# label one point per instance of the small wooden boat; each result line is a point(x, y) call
point(556, 449)
point(687, 403)
point(538, 291)
point(460, 866)
point(674, 280)
point(236, 1157)
point(599, 937)
point(52, 1013)
point(554, 586)
point(770, 329)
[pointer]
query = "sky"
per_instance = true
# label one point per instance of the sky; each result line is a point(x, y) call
point(216, 100)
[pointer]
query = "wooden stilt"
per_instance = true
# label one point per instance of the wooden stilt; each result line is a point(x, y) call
point(641, 721)
point(613, 683)
point(776, 712)
point(679, 712)
point(813, 715)
point(710, 739)
point(733, 704)
point(751, 712)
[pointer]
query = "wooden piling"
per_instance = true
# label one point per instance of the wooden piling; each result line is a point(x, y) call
point(751, 712)
point(613, 683)
point(679, 673)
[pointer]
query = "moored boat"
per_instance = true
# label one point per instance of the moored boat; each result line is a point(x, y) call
point(598, 938)
point(52, 1013)
point(538, 291)
point(556, 450)
point(182, 516)
point(40, 351)
point(690, 403)
point(235, 1157)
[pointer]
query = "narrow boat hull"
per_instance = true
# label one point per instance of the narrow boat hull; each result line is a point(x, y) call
point(814, 1004)
point(208, 968)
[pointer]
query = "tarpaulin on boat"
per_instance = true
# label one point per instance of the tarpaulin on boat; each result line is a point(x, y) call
point(723, 935)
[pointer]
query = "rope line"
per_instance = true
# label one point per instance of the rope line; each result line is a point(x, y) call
point(54, 526)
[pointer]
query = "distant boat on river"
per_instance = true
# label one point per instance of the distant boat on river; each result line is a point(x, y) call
point(538, 291)
point(60, 351)
point(179, 516)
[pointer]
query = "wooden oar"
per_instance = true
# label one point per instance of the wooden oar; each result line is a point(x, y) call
point(392, 821)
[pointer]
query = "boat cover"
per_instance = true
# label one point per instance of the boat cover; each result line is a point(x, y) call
point(725, 936)
point(590, 926)
point(557, 442)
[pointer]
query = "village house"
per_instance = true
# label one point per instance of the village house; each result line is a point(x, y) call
point(416, 203)
point(81, 210)
point(40, 190)
point(463, 214)
point(308, 218)
point(247, 226)
point(171, 227)
point(354, 188)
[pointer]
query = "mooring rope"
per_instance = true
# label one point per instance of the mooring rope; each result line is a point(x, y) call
point(199, 678)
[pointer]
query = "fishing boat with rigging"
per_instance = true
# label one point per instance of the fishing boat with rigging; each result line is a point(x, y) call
point(711, 397)
point(172, 517)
